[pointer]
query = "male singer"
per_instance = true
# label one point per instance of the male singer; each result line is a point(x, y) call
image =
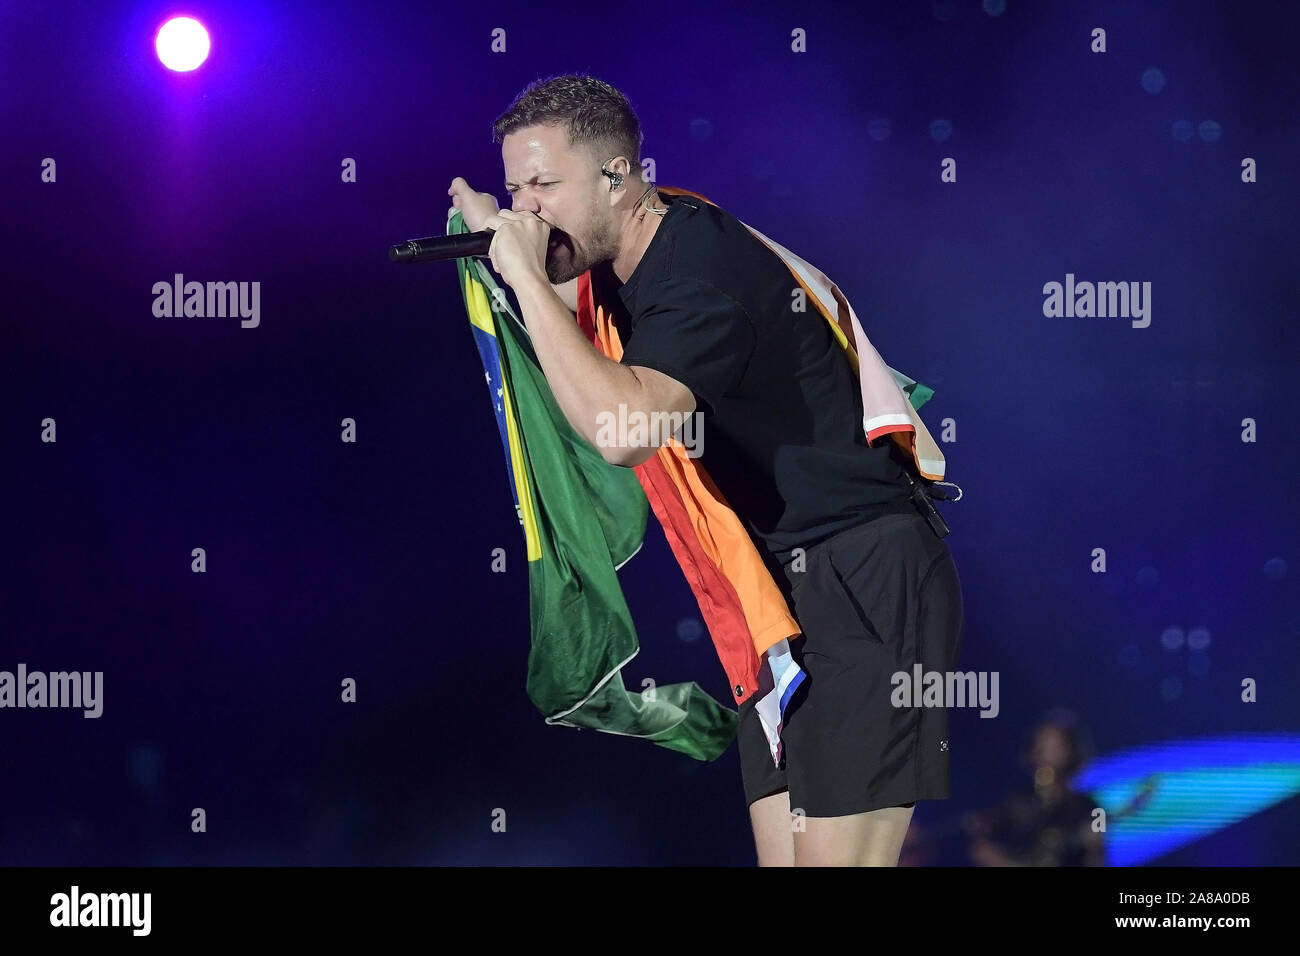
point(704, 312)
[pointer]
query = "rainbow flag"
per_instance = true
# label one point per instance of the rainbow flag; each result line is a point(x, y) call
point(746, 614)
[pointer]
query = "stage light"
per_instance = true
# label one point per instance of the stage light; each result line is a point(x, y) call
point(182, 44)
point(1162, 796)
point(1172, 638)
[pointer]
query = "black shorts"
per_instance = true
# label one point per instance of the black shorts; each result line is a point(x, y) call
point(872, 601)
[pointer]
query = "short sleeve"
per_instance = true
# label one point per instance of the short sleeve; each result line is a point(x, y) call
point(694, 333)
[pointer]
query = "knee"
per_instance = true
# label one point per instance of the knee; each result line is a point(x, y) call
point(874, 838)
point(846, 856)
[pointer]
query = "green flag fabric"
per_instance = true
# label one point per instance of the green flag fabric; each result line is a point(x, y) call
point(582, 519)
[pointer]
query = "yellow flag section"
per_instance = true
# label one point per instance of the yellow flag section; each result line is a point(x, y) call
point(482, 318)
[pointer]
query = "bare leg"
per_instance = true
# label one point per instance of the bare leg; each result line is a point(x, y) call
point(874, 838)
point(773, 829)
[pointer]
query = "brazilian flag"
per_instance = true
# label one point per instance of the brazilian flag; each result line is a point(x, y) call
point(582, 519)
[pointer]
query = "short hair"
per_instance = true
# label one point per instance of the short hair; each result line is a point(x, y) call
point(1079, 745)
point(597, 117)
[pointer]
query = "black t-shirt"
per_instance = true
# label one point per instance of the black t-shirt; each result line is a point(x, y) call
point(712, 306)
point(1044, 834)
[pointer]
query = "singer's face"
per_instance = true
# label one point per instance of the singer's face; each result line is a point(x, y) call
point(560, 186)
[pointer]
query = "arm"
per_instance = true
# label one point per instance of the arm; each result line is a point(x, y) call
point(586, 384)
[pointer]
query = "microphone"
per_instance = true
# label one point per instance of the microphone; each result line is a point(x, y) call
point(437, 248)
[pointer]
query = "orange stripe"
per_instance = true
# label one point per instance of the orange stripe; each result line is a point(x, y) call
point(718, 530)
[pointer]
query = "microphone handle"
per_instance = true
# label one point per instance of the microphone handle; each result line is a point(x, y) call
point(437, 248)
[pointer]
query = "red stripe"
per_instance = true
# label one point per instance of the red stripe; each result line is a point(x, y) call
point(888, 430)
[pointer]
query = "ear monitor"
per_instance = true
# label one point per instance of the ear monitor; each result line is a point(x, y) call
point(615, 179)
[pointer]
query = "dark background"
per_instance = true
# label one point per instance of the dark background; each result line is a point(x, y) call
point(371, 560)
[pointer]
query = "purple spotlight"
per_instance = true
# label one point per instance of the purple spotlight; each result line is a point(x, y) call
point(182, 44)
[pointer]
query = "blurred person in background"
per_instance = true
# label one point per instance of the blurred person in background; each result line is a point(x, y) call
point(1047, 823)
